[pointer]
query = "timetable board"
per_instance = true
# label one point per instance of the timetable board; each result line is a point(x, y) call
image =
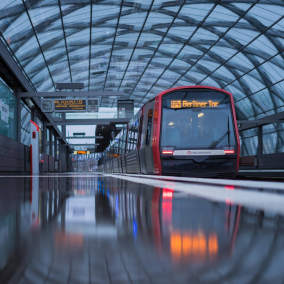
point(70, 105)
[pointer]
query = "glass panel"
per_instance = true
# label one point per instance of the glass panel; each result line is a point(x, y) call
point(149, 127)
point(58, 149)
point(8, 113)
point(139, 43)
point(25, 124)
point(52, 146)
point(47, 141)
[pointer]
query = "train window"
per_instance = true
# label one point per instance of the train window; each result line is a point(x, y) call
point(123, 141)
point(140, 132)
point(128, 146)
point(135, 134)
point(149, 127)
point(197, 120)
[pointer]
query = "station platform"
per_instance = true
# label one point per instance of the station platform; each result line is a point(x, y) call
point(264, 173)
point(120, 229)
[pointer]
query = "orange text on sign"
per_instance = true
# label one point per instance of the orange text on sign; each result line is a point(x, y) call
point(186, 104)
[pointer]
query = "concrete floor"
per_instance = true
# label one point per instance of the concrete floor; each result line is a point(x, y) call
point(92, 228)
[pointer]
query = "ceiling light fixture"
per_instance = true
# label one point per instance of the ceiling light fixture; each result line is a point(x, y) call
point(98, 72)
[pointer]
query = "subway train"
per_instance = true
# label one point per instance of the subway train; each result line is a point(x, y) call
point(183, 131)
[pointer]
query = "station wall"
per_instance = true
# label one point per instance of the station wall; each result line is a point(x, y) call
point(12, 155)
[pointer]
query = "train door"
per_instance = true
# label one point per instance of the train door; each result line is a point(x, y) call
point(141, 150)
point(143, 128)
point(132, 157)
point(149, 161)
point(121, 151)
point(124, 139)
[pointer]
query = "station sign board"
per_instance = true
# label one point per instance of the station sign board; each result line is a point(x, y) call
point(93, 105)
point(70, 105)
point(82, 152)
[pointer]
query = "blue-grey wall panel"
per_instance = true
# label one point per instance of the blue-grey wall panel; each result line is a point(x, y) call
point(12, 156)
point(45, 162)
point(50, 164)
point(27, 153)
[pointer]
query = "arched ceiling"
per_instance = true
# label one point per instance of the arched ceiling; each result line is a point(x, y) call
point(147, 46)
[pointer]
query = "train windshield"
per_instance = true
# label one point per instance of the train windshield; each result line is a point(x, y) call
point(197, 119)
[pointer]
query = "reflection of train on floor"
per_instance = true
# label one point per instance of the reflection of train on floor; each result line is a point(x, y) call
point(182, 131)
point(180, 227)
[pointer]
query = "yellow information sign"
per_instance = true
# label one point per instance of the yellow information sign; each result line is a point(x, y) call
point(82, 152)
point(186, 104)
point(70, 105)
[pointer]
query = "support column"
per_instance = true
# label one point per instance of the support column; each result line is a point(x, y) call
point(63, 114)
point(55, 147)
point(61, 154)
point(17, 92)
point(260, 141)
point(44, 137)
point(50, 141)
point(34, 114)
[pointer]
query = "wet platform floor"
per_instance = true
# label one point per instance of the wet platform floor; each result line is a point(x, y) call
point(105, 229)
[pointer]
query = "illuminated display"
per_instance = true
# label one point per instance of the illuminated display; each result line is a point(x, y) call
point(82, 152)
point(194, 245)
point(186, 104)
point(69, 105)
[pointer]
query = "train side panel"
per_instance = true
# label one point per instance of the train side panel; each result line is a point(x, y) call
point(149, 137)
point(156, 137)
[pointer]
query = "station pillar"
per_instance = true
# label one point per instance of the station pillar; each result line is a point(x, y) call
point(34, 148)
point(260, 141)
point(17, 92)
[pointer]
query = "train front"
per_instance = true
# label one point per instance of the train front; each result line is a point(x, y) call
point(199, 135)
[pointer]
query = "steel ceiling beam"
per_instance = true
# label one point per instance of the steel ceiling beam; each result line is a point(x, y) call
point(83, 137)
point(200, 58)
point(72, 94)
point(15, 69)
point(249, 124)
point(65, 41)
point(94, 144)
point(103, 121)
point(165, 35)
point(39, 45)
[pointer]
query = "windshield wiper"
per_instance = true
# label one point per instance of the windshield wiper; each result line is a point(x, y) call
point(223, 137)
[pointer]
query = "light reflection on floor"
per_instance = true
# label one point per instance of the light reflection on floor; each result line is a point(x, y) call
point(96, 229)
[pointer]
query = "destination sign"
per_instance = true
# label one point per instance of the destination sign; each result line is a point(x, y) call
point(70, 105)
point(191, 104)
point(82, 152)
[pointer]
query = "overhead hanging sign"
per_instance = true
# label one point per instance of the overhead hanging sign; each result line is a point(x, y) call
point(80, 148)
point(70, 105)
point(4, 111)
point(93, 105)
